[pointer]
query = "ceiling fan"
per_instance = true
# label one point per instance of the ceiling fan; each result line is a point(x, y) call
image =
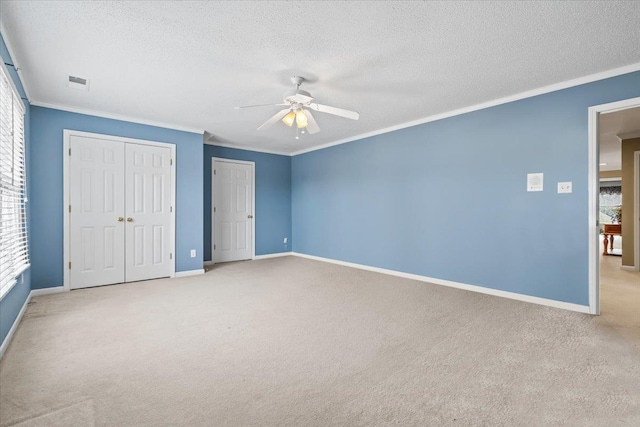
point(299, 104)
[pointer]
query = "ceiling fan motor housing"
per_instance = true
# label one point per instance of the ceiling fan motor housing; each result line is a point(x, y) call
point(297, 96)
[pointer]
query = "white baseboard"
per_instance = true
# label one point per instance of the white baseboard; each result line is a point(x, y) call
point(257, 257)
point(628, 267)
point(14, 327)
point(458, 285)
point(276, 255)
point(47, 291)
point(189, 273)
point(16, 322)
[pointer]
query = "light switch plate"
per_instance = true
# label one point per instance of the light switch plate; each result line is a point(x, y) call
point(193, 253)
point(285, 240)
point(564, 187)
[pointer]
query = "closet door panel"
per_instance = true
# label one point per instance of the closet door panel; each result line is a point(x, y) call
point(148, 212)
point(96, 199)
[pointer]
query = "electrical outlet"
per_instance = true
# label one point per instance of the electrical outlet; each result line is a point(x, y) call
point(285, 240)
point(193, 253)
point(564, 187)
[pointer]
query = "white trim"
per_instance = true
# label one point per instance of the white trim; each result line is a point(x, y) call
point(276, 255)
point(14, 61)
point(593, 187)
point(16, 322)
point(47, 291)
point(457, 285)
point(593, 230)
point(629, 135)
point(618, 178)
point(120, 117)
point(628, 267)
point(492, 103)
point(19, 277)
point(237, 147)
point(4, 292)
point(14, 327)
point(65, 210)
point(505, 100)
point(189, 273)
point(67, 133)
point(636, 209)
point(253, 203)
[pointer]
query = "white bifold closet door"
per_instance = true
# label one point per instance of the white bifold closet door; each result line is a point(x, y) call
point(120, 218)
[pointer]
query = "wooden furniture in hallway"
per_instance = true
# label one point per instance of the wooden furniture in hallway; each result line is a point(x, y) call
point(610, 230)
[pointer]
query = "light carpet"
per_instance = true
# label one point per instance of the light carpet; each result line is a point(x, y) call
point(295, 342)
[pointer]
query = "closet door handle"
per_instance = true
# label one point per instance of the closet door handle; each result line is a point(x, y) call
point(249, 216)
point(129, 219)
point(120, 219)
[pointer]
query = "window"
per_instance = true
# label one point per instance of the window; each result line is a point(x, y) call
point(610, 202)
point(14, 255)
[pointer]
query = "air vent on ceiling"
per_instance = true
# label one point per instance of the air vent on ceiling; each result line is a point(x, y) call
point(78, 83)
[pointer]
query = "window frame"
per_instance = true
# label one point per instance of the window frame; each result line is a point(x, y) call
point(17, 110)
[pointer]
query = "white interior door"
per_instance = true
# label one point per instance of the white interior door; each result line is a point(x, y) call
point(96, 210)
point(148, 212)
point(233, 211)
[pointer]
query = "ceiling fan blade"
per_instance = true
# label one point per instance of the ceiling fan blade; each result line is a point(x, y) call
point(312, 126)
point(259, 105)
point(275, 118)
point(335, 111)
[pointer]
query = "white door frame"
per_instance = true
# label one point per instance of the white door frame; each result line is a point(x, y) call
point(213, 201)
point(594, 191)
point(67, 134)
point(636, 209)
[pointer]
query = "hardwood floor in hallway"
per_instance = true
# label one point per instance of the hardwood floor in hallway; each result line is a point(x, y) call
point(620, 299)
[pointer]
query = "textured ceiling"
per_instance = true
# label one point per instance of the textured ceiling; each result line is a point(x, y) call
point(189, 63)
point(612, 126)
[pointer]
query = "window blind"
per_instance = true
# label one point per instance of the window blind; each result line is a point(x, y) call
point(14, 254)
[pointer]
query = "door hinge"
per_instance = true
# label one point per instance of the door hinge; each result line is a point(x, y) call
point(214, 247)
point(214, 171)
point(69, 208)
point(69, 151)
point(214, 208)
point(170, 256)
point(170, 161)
point(170, 208)
point(69, 265)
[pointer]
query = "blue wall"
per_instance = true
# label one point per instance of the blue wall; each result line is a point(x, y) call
point(12, 302)
point(273, 198)
point(46, 187)
point(447, 199)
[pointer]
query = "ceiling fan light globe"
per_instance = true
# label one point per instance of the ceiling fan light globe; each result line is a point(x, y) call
point(289, 118)
point(301, 119)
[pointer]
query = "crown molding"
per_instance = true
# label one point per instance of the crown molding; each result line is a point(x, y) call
point(238, 147)
point(121, 117)
point(505, 100)
point(499, 101)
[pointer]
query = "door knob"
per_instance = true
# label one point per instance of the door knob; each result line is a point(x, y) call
point(120, 219)
point(129, 219)
point(249, 216)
